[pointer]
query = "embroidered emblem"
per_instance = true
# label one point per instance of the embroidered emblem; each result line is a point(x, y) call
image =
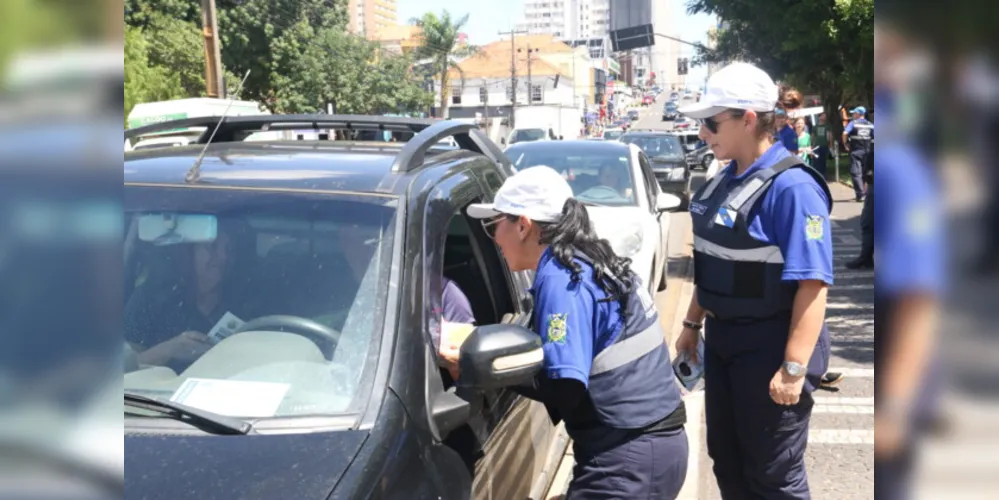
point(815, 227)
point(698, 208)
point(557, 328)
point(725, 217)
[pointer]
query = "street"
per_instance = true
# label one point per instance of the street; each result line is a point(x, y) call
point(840, 456)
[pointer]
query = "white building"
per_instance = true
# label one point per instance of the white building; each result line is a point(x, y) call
point(567, 19)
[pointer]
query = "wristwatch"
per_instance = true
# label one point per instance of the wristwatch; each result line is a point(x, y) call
point(794, 369)
point(692, 325)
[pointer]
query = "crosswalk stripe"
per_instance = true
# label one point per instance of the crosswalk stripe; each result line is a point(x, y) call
point(841, 436)
point(855, 372)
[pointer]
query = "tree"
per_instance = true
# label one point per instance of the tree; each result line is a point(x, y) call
point(145, 81)
point(822, 46)
point(440, 44)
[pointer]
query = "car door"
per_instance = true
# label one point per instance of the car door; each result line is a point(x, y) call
point(661, 218)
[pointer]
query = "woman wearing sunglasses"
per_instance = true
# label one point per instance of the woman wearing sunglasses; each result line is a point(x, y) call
point(762, 264)
point(607, 371)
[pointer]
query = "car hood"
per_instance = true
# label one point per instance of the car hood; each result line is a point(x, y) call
point(304, 466)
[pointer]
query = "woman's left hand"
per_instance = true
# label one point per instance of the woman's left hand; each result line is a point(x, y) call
point(785, 389)
point(449, 355)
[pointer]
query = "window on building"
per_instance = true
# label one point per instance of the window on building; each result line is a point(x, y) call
point(509, 92)
point(483, 94)
point(537, 93)
point(456, 94)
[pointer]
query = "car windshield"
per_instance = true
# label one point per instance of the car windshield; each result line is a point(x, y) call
point(665, 146)
point(601, 176)
point(612, 135)
point(527, 135)
point(254, 304)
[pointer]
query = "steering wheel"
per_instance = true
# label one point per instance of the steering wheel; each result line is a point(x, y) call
point(323, 336)
point(601, 193)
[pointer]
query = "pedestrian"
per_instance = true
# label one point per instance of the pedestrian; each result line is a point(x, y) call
point(804, 141)
point(866, 258)
point(857, 137)
point(607, 371)
point(785, 124)
point(762, 267)
point(821, 139)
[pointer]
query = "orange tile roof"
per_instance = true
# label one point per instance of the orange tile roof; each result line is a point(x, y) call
point(493, 60)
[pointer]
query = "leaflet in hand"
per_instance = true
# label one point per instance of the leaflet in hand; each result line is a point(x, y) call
point(455, 333)
point(687, 371)
point(225, 327)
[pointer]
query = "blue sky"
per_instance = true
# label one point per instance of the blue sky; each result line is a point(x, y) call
point(488, 17)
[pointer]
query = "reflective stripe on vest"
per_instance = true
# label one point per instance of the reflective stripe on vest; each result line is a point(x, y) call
point(625, 351)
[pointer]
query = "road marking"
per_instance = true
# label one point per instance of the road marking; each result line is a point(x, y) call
point(847, 406)
point(841, 436)
point(854, 372)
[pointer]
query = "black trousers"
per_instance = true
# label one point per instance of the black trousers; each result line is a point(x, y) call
point(857, 172)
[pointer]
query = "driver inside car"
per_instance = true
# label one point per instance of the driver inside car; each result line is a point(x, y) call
point(168, 317)
point(612, 176)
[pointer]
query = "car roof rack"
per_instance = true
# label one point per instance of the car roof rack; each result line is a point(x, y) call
point(427, 133)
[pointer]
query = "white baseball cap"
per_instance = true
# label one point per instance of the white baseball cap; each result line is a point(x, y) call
point(538, 193)
point(736, 86)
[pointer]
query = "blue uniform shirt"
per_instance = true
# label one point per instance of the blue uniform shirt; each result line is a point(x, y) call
point(784, 217)
point(574, 327)
point(910, 230)
point(850, 126)
point(788, 138)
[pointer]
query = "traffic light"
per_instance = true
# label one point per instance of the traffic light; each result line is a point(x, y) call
point(682, 65)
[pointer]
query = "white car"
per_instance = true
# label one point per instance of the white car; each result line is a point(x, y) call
point(626, 205)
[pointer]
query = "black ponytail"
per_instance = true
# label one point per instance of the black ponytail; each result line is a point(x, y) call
point(574, 235)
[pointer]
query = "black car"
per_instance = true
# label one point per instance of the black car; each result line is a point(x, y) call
point(670, 111)
point(326, 260)
point(667, 156)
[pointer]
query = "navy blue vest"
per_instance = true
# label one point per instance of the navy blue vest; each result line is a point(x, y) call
point(738, 277)
point(632, 384)
point(861, 136)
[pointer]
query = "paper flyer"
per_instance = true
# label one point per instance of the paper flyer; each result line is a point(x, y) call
point(455, 333)
point(232, 397)
point(225, 327)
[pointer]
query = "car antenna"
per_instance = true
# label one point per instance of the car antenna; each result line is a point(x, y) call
point(195, 172)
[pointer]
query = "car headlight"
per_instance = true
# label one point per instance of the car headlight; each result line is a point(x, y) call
point(629, 244)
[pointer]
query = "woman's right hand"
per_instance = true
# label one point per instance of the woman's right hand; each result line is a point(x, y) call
point(687, 342)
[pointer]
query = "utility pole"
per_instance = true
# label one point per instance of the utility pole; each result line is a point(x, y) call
point(213, 51)
point(513, 71)
point(530, 84)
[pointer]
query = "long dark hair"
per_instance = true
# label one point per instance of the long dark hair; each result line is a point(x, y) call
point(574, 235)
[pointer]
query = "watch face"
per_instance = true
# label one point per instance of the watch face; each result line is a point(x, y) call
point(794, 369)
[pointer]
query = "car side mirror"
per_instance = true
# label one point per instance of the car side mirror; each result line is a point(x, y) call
point(667, 202)
point(497, 356)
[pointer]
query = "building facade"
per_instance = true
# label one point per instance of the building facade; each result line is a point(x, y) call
point(567, 19)
point(370, 17)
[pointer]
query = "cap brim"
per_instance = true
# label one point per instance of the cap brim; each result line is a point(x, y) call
point(482, 211)
point(700, 110)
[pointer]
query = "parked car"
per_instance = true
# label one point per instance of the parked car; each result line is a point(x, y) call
point(666, 157)
point(698, 154)
point(633, 114)
point(321, 380)
point(613, 134)
point(626, 204)
point(527, 135)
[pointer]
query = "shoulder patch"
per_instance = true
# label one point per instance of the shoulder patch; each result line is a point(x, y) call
point(556, 328)
point(815, 227)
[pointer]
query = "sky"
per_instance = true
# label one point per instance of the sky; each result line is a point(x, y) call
point(486, 18)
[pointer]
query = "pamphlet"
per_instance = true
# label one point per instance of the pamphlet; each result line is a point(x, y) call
point(235, 398)
point(687, 371)
point(225, 327)
point(455, 333)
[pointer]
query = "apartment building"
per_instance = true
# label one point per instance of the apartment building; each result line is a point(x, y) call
point(567, 19)
point(370, 17)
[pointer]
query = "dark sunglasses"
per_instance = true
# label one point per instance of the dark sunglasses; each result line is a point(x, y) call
point(712, 124)
point(490, 225)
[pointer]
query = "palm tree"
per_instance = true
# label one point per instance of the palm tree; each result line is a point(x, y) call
point(441, 47)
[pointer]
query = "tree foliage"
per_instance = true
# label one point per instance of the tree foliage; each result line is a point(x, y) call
point(440, 45)
point(297, 52)
point(819, 46)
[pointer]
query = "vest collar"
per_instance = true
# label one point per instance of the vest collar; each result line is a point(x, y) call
point(776, 153)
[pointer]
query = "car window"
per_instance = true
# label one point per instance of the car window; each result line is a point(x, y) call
point(324, 261)
point(650, 180)
point(664, 146)
point(613, 135)
point(527, 135)
point(598, 176)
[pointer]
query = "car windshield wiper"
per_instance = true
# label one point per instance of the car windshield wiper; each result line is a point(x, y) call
point(213, 422)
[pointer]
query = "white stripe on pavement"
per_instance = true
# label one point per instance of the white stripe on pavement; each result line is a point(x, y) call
point(854, 372)
point(841, 436)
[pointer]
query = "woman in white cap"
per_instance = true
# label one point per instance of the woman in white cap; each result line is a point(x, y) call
point(607, 371)
point(762, 265)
